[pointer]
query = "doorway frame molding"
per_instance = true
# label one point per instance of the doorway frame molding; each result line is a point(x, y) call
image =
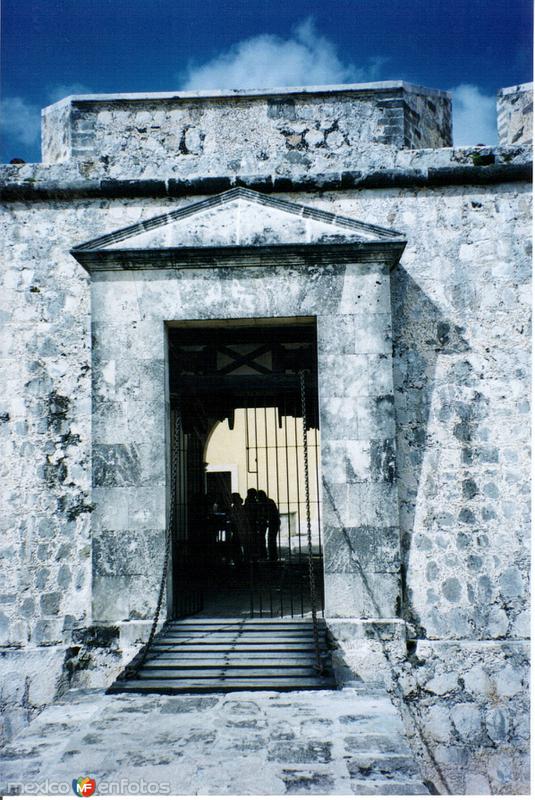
point(341, 279)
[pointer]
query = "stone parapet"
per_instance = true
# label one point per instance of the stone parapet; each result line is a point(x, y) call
point(515, 114)
point(395, 169)
point(209, 133)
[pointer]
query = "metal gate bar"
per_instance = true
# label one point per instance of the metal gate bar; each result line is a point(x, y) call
point(275, 448)
point(187, 594)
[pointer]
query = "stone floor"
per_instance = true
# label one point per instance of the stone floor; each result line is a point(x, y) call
point(319, 742)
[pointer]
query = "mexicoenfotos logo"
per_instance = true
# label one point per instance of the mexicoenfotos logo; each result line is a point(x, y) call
point(84, 787)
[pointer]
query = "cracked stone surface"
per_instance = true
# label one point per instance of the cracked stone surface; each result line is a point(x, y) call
point(325, 742)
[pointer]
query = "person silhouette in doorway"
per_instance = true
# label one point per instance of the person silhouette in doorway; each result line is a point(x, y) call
point(269, 519)
point(252, 510)
point(239, 525)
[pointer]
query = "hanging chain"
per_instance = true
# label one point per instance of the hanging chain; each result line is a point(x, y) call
point(132, 670)
point(311, 574)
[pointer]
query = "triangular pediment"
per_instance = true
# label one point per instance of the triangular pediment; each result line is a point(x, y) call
point(239, 218)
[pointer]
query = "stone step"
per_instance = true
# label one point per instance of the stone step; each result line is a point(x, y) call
point(224, 622)
point(246, 622)
point(231, 654)
point(258, 645)
point(275, 633)
point(171, 672)
point(231, 639)
point(236, 631)
point(273, 629)
point(273, 624)
point(279, 656)
point(226, 663)
point(194, 685)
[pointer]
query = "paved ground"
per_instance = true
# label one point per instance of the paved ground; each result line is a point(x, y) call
point(319, 742)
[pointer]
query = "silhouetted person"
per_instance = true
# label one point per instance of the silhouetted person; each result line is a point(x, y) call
point(241, 536)
point(269, 520)
point(251, 509)
point(262, 521)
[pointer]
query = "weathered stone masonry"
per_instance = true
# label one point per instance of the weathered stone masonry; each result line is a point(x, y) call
point(195, 133)
point(515, 114)
point(457, 406)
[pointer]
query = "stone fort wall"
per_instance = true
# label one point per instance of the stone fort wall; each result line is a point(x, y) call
point(461, 311)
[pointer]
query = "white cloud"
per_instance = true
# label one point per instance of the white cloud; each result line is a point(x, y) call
point(474, 116)
point(62, 90)
point(20, 120)
point(268, 61)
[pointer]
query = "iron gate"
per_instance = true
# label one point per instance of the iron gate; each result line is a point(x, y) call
point(187, 577)
point(261, 572)
point(275, 464)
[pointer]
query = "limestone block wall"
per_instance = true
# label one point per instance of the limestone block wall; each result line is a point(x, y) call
point(466, 708)
point(515, 114)
point(428, 120)
point(461, 312)
point(46, 465)
point(461, 382)
point(295, 130)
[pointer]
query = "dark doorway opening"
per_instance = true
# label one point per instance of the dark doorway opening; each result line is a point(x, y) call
point(245, 466)
point(219, 486)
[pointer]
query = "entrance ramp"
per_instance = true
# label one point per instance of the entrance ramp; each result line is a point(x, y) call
point(235, 654)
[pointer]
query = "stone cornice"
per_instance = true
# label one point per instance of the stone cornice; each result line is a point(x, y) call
point(286, 255)
point(396, 177)
point(374, 87)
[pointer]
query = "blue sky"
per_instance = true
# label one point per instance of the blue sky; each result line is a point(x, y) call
point(51, 48)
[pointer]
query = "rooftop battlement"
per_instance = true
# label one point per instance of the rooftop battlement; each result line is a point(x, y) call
point(515, 114)
point(316, 129)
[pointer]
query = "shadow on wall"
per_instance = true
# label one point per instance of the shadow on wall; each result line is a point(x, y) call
point(420, 335)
